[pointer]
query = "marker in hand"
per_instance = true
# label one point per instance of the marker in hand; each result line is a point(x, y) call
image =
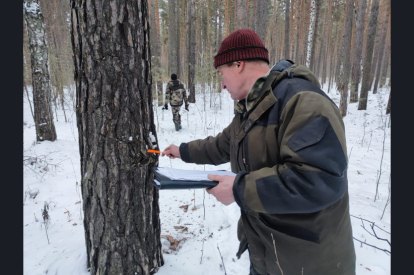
point(154, 151)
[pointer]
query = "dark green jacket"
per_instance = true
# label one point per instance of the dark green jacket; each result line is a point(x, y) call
point(289, 153)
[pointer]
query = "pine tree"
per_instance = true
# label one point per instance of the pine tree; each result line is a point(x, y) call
point(357, 59)
point(346, 62)
point(372, 28)
point(116, 126)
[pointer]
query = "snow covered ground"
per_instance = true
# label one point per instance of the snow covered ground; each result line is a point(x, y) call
point(52, 170)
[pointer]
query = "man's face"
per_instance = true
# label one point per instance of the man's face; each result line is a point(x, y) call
point(231, 80)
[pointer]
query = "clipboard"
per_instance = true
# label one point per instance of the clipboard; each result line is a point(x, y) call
point(162, 182)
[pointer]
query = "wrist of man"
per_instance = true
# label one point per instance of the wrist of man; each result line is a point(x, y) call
point(184, 152)
point(238, 189)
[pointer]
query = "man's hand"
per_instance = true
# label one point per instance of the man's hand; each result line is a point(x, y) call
point(224, 190)
point(172, 151)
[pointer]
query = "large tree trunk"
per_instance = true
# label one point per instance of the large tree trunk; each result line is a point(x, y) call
point(356, 66)
point(43, 116)
point(372, 28)
point(192, 53)
point(346, 59)
point(110, 42)
point(382, 45)
point(286, 47)
point(261, 20)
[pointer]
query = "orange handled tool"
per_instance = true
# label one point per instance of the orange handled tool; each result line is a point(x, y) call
point(153, 151)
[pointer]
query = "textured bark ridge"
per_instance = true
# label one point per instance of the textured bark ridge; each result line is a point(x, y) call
point(116, 127)
point(43, 116)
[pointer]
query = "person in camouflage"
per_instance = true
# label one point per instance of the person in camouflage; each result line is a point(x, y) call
point(175, 94)
point(287, 145)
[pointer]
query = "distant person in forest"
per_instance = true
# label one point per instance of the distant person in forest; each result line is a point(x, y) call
point(287, 145)
point(175, 94)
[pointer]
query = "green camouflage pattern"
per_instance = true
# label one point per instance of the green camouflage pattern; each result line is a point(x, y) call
point(175, 93)
point(176, 114)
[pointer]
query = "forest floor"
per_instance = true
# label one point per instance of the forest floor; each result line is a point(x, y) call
point(202, 227)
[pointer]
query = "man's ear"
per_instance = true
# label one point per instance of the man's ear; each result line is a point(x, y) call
point(241, 66)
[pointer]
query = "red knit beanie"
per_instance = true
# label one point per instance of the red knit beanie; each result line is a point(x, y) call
point(242, 44)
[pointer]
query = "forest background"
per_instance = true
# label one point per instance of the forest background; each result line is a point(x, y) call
point(343, 42)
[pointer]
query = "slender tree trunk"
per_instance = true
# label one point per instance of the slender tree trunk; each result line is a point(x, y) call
point(192, 53)
point(116, 127)
point(241, 14)
point(43, 115)
point(253, 16)
point(172, 37)
point(315, 35)
point(291, 28)
point(158, 55)
point(338, 46)
point(382, 45)
point(364, 44)
point(177, 16)
point(286, 47)
point(363, 99)
point(346, 62)
point(248, 14)
point(327, 46)
point(356, 66)
point(261, 20)
point(386, 55)
point(321, 47)
point(310, 33)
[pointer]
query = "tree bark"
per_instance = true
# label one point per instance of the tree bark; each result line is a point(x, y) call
point(192, 53)
point(372, 28)
point(386, 55)
point(45, 127)
point(286, 47)
point(357, 61)
point(381, 45)
point(315, 35)
point(346, 59)
point(261, 20)
point(110, 42)
point(327, 47)
point(156, 52)
point(310, 33)
point(242, 14)
point(172, 37)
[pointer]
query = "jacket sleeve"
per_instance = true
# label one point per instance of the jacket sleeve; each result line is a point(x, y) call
point(211, 150)
point(312, 172)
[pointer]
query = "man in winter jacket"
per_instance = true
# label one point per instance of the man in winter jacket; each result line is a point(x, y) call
point(287, 145)
point(175, 94)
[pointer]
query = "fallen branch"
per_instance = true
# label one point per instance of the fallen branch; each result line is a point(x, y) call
point(222, 260)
